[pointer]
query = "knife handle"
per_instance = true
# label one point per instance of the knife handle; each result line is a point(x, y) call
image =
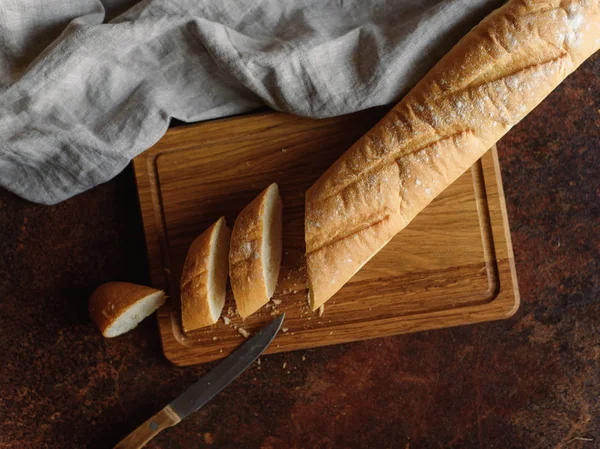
point(144, 433)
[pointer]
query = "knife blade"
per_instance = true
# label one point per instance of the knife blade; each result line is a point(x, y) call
point(216, 380)
point(204, 389)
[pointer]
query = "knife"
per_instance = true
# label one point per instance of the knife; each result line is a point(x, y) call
point(205, 389)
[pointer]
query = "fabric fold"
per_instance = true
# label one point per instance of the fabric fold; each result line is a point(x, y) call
point(80, 98)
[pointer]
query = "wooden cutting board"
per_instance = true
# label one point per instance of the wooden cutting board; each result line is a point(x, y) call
point(452, 265)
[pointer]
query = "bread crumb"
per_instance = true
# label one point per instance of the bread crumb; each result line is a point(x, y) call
point(220, 350)
point(322, 310)
point(276, 301)
point(230, 311)
point(214, 338)
point(284, 365)
point(284, 329)
point(243, 332)
point(330, 333)
point(226, 320)
point(208, 438)
point(294, 291)
point(258, 361)
point(303, 358)
point(284, 150)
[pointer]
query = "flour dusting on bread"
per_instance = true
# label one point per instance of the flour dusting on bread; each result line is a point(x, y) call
point(493, 77)
point(256, 250)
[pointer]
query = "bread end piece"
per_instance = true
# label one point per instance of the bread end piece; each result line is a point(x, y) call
point(204, 277)
point(118, 307)
point(255, 251)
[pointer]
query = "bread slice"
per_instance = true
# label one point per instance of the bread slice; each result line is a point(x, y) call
point(118, 307)
point(486, 84)
point(204, 277)
point(255, 252)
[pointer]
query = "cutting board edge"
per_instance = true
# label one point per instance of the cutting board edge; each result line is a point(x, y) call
point(504, 306)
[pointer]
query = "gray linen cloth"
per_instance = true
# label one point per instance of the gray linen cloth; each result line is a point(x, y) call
point(81, 94)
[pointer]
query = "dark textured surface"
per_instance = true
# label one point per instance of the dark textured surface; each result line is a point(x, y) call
point(529, 382)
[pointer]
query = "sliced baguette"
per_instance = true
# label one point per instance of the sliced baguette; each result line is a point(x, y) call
point(255, 252)
point(486, 84)
point(118, 307)
point(204, 277)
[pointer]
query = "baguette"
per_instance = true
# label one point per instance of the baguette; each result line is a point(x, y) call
point(486, 84)
point(118, 307)
point(204, 277)
point(255, 252)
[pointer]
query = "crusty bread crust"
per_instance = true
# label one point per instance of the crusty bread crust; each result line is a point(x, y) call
point(198, 300)
point(246, 255)
point(486, 84)
point(112, 299)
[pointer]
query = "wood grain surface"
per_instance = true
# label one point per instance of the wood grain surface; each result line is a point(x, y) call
point(452, 265)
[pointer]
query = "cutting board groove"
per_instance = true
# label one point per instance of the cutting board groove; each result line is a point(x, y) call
point(452, 265)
